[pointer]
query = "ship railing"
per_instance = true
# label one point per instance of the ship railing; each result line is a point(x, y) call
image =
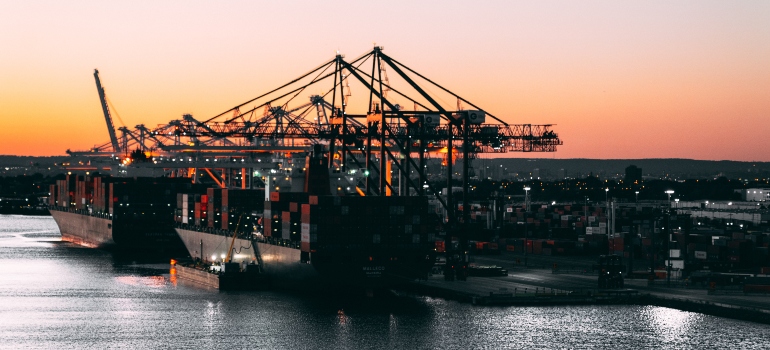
point(98, 214)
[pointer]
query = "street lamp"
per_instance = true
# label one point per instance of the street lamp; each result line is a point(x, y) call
point(668, 237)
point(637, 196)
point(607, 205)
point(669, 193)
point(526, 225)
point(526, 198)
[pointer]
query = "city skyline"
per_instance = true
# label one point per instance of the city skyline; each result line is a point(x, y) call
point(618, 80)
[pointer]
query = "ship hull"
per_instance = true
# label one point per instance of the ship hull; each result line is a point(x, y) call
point(134, 236)
point(85, 230)
point(287, 269)
point(281, 264)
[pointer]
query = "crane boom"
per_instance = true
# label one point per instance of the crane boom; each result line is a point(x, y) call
point(107, 116)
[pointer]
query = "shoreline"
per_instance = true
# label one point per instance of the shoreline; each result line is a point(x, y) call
point(520, 291)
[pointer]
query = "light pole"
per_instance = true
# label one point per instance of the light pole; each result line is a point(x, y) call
point(607, 206)
point(526, 198)
point(637, 196)
point(526, 225)
point(668, 238)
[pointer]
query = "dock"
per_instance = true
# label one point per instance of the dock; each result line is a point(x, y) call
point(545, 287)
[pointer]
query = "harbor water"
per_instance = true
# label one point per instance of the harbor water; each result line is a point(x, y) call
point(54, 295)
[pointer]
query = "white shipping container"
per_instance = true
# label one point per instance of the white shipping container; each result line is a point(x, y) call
point(676, 264)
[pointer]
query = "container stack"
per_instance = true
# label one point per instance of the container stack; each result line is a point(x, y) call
point(333, 222)
point(220, 209)
point(282, 217)
point(214, 207)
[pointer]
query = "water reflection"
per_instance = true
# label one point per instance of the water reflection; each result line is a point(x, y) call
point(670, 324)
point(61, 296)
point(146, 281)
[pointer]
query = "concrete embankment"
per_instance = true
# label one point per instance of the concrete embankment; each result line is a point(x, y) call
point(540, 287)
point(709, 308)
point(490, 291)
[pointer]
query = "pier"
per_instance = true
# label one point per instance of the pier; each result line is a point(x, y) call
point(541, 286)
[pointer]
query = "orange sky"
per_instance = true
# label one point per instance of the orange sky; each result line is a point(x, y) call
point(648, 79)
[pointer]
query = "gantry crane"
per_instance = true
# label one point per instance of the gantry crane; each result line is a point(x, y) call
point(383, 136)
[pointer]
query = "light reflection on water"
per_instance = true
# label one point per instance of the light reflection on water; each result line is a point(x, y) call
point(55, 295)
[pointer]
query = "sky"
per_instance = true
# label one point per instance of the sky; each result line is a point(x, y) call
point(618, 79)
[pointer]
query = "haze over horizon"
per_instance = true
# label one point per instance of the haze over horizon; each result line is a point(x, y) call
point(620, 80)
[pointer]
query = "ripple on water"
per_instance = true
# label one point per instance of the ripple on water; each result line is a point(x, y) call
point(61, 296)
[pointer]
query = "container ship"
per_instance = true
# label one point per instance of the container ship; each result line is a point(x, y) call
point(311, 239)
point(134, 215)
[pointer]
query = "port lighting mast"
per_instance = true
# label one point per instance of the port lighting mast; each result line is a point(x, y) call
point(107, 116)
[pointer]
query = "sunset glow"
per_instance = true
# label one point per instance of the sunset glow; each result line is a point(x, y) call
point(687, 79)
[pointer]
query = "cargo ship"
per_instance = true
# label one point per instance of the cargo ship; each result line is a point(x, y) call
point(324, 242)
point(133, 215)
point(311, 239)
point(300, 240)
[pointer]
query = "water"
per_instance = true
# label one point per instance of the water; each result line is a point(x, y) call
point(54, 295)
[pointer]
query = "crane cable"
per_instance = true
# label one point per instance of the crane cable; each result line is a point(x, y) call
point(114, 110)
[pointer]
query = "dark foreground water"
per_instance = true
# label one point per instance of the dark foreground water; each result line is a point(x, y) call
point(57, 296)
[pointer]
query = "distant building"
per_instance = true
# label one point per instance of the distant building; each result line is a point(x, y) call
point(756, 194)
point(633, 175)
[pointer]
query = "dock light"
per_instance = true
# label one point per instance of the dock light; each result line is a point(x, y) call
point(223, 256)
point(213, 257)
